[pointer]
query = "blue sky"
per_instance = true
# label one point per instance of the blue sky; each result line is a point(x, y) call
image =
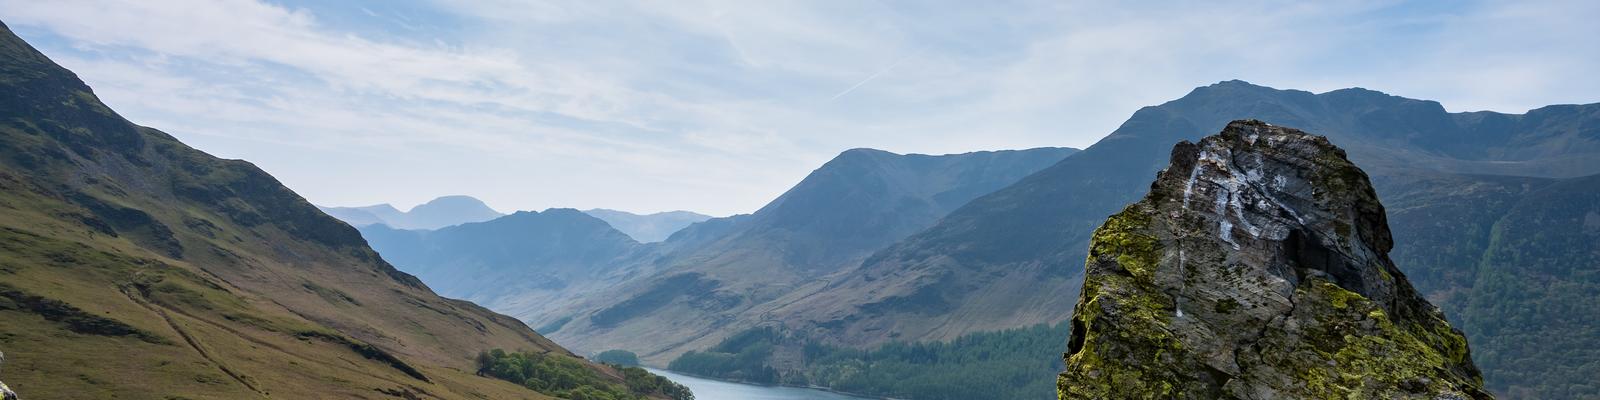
point(719, 106)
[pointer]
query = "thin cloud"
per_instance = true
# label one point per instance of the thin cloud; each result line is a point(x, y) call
point(712, 105)
point(874, 75)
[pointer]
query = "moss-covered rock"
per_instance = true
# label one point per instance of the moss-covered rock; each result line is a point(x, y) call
point(1257, 268)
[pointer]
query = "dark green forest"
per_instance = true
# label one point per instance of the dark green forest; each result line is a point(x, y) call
point(1011, 364)
point(568, 378)
point(618, 357)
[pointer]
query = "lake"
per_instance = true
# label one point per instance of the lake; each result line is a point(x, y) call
point(711, 389)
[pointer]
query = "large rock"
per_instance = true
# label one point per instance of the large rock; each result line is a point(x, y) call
point(1257, 267)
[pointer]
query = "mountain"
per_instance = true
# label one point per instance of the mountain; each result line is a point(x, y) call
point(1512, 260)
point(437, 213)
point(520, 253)
point(133, 266)
point(690, 290)
point(1010, 259)
point(1257, 267)
point(647, 228)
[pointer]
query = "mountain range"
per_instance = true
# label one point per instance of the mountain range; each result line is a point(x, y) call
point(647, 228)
point(1010, 258)
point(548, 267)
point(133, 266)
point(437, 213)
point(838, 261)
point(518, 254)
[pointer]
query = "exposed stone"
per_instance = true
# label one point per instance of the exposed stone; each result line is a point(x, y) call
point(5, 391)
point(1257, 268)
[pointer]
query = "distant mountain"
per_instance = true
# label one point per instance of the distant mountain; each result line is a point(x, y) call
point(1012, 258)
point(647, 228)
point(515, 254)
point(854, 204)
point(435, 214)
point(134, 266)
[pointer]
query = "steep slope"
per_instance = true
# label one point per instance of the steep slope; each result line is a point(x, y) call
point(133, 266)
point(1530, 308)
point(1257, 267)
point(437, 213)
point(853, 205)
point(521, 253)
point(1507, 258)
point(649, 228)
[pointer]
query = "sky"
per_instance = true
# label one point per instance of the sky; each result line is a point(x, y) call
point(720, 106)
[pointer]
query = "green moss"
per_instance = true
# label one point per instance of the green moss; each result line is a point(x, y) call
point(1336, 295)
point(1134, 314)
point(1125, 237)
point(1364, 364)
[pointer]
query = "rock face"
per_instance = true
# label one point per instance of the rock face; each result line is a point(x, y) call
point(5, 391)
point(1257, 267)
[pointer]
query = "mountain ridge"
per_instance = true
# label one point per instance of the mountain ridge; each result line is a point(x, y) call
point(648, 228)
point(1009, 259)
point(438, 213)
point(830, 219)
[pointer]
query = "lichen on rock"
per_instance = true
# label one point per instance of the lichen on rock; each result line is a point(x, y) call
point(1257, 268)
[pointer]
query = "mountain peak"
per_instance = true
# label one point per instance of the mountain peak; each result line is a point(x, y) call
point(866, 150)
point(455, 201)
point(1258, 267)
point(437, 213)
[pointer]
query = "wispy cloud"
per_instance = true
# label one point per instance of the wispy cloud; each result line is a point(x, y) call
point(874, 75)
point(720, 105)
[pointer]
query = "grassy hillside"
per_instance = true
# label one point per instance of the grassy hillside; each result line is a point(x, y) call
point(134, 267)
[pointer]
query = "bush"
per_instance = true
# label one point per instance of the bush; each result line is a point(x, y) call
point(618, 357)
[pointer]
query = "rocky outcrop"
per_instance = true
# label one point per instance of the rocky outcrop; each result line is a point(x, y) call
point(5, 391)
point(1257, 268)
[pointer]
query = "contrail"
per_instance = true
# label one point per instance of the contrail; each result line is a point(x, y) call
point(870, 78)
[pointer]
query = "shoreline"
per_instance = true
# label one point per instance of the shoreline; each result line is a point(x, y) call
point(817, 388)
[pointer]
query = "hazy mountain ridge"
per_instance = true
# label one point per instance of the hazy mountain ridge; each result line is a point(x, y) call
point(523, 252)
point(648, 228)
point(437, 213)
point(137, 267)
point(860, 200)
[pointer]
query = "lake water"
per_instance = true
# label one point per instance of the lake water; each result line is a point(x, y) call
point(711, 389)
